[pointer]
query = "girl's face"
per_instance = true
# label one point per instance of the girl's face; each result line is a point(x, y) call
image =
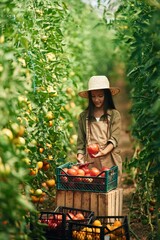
point(98, 98)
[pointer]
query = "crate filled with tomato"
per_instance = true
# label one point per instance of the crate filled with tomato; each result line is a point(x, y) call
point(75, 177)
point(75, 214)
point(102, 227)
point(53, 225)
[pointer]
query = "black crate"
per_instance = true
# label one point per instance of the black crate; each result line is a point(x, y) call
point(104, 182)
point(71, 212)
point(106, 230)
point(54, 225)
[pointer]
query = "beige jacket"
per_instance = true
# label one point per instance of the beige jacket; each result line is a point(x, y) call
point(105, 131)
point(115, 130)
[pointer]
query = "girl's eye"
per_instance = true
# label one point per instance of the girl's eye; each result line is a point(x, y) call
point(97, 96)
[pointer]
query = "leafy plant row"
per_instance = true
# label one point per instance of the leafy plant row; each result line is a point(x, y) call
point(137, 24)
point(48, 50)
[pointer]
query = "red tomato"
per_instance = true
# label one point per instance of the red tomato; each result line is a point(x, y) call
point(72, 172)
point(52, 225)
point(64, 179)
point(94, 171)
point(67, 217)
point(75, 167)
point(104, 169)
point(58, 216)
point(93, 148)
point(51, 217)
point(77, 179)
point(86, 170)
point(75, 218)
point(87, 174)
point(80, 172)
point(71, 215)
point(87, 178)
point(64, 170)
point(79, 216)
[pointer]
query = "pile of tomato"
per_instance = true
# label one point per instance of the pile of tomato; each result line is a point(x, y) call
point(54, 220)
point(83, 173)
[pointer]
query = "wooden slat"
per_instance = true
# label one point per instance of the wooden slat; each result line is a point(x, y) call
point(69, 199)
point(117, 198)
point(60, 198)
point(93, 203)
point(120, 201)
point(86, 200)
point(109, 204)
point(77, 200)
point(104, 204)
point(113, 203)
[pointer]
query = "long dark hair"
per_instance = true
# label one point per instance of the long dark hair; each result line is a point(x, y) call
point(108, 103)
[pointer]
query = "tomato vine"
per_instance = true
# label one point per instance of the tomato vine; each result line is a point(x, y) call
point(137, 27)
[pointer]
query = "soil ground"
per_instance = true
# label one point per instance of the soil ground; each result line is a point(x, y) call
point(123, 104)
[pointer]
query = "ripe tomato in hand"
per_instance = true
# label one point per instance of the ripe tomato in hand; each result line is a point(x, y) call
point(93, 148)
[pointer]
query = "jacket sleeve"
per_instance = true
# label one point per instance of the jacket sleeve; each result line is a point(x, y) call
point(115, 128)
point(81, 138)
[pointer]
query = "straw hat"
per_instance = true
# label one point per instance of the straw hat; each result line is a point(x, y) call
point(97, 83)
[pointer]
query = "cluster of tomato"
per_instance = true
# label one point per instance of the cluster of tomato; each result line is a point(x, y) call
point(54, 220)
point(84, 174)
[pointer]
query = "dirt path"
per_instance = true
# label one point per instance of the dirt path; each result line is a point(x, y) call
point(123, 104)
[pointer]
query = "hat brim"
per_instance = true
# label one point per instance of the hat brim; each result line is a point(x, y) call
point(84, 94)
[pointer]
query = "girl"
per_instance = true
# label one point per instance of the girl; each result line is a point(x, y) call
point(100, 123)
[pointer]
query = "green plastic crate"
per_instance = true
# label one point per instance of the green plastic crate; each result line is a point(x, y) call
point(85, 183)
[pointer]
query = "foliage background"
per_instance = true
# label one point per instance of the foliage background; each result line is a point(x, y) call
point(137, 29)
point(48, 51)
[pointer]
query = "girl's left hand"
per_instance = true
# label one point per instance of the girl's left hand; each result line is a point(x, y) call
point(99, 154)
point(104, 151)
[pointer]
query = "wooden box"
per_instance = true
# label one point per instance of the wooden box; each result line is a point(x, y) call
point(102, 204)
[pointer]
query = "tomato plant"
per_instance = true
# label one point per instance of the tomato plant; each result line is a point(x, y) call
point(137, 36)
point(14, 190)
point(44, 59)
